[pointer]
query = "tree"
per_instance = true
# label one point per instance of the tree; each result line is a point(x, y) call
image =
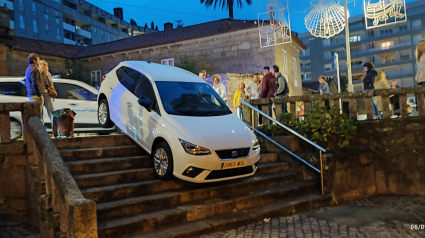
point(179, 23)
point(343, 78)
point(225, 4)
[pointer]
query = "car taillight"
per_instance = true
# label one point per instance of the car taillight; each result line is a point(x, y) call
point(103, 78)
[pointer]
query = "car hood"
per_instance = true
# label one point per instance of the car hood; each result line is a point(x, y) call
point(214, 132)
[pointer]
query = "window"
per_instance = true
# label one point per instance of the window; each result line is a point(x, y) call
point(34, 9)
point(13, 89)
point(58, 34)
point(57, 17)
point(127, 77)
point(22, 22)
point(416, 24)
point(295, 71)
point(75, 92)
point(285, 64)
point(306, 52)
point(46, 13)
point(34, 26)
point(386, 45)
point(402, 28)
point(328, 67)
point(386, 32)
point(144, 88)
point(21, 5)
point(404, 57)
point(306, 76)
point(355, 38)
point(94, 31)
point(169, 62)
point(328, 55)
point(47, 30)
point(326, 42)
point(307, 64)
point(417, 38)
point(306, 41)
point(95, 76)
point(372, 45)
point(115, 37)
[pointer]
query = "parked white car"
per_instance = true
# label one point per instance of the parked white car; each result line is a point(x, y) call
point(73, 94)
point(180, 120)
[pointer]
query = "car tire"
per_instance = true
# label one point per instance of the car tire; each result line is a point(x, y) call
point(103, 115)
point(162, 160)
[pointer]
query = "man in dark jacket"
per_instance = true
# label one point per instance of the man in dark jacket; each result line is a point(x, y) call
point(34, 82)
point(268, 86)
point(282, 89)
point(368, 83)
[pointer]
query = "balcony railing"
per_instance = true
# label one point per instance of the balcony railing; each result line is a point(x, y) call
point(68, 27)
point(68, 41)
point(83, 33)
point(390, 47)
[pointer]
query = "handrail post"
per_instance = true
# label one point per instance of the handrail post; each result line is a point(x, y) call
point(321, 171)
point(253, 117)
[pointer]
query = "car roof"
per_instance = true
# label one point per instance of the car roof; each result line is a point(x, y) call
point(55, 80)
point(159, 72)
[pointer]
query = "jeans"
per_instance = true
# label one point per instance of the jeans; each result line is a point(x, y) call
point(284, 105)
point(48, 103)
point(375, 108)
point(40, 102)
point(239, 112)
point(260, 117)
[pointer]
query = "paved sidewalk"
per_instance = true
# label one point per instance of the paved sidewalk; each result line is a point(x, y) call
point(375, 217)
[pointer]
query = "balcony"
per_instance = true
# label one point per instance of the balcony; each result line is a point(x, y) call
point(68, 27)
point(9, 4)
point(83, 33)
point(12, 24)
point(68, 41)
point(390, 47)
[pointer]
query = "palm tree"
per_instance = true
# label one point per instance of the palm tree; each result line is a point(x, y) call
point(225, 4)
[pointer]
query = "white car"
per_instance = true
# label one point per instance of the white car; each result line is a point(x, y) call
point(73, 94)
point(179, 120)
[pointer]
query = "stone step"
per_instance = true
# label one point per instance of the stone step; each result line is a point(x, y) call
point(267, 157)
point(108, 164)
point(143, 204)
point(103, 152)
point(128, 190)
point(234, 220)
point(272, 168)
point(201, 210)
point(93, 142)
point(115, 177)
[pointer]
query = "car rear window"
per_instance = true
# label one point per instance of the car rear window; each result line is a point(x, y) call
point(12, 89)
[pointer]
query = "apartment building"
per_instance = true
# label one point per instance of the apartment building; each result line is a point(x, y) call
point(390, 48)
point(74, 22)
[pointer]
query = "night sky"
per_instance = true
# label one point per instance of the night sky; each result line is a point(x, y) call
point(193, 12)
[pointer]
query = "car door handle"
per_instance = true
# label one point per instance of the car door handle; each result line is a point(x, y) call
point(112, 89)
point(72, 104)
point(129, 104)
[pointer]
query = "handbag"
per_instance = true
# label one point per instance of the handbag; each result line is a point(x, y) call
point(52, 91)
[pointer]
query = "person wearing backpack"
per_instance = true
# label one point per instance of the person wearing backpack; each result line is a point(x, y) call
point(282, 89)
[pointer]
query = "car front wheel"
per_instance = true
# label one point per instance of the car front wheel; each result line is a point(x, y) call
point(162, 161)
point(103, 114)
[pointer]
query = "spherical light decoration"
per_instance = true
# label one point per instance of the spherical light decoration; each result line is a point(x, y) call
point(326, 19)
point(384, 12)
point(273, 25)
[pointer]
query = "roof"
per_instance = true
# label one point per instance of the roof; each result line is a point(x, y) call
point(40, 46)
point(172, 36)
point(159, 72)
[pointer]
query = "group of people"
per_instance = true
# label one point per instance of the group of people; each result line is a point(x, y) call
point(39, 84)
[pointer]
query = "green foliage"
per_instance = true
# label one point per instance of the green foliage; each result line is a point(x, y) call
point(344, 82)
point(187, 64)
point(327, 128)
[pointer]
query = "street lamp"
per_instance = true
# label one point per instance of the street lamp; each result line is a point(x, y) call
point(348, 48)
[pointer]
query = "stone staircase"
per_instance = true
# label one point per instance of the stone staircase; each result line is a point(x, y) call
point(131, 202)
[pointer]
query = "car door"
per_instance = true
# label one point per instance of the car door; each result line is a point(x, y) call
point(147, 120)
point(77, 98)
point(122, 99)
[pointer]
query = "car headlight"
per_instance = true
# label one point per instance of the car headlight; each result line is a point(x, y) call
point(255, 144)
point(194, 149)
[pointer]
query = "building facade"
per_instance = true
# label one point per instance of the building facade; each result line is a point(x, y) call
point(74, 22)
point(391, 48)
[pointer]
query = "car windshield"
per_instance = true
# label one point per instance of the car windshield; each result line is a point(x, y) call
point(191, 99)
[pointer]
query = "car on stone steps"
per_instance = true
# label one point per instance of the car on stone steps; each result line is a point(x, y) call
point(179, 120)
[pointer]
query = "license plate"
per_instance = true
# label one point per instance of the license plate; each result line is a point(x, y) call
point(233, 164)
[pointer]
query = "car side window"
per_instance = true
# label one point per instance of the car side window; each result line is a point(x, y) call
point(72, 91)
point(144, 87)
point(13, 89)
point(127, 77)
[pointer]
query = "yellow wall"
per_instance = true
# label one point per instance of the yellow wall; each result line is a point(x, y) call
point(292, 50)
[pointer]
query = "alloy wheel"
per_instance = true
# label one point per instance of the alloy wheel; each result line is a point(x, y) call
point(103, 113)
point(161, 161)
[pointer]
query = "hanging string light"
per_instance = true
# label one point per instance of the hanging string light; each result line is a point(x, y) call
point(384, 12)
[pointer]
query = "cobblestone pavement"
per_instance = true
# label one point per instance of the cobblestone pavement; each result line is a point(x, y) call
point(375, 217)
point(17, 231)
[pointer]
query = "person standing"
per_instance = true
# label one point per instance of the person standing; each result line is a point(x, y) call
point(281, 86)
point(420, 60)
point(268, 86)
point(47, 82)
point(368, 82)
point(202, 74)
point(381, 82)
point(253, 90)
point(395, 100)
point(219, 86)
point(237, 104)
point(324, 89)
point(33, 81)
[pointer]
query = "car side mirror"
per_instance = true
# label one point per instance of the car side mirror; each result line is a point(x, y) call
point(145, 102)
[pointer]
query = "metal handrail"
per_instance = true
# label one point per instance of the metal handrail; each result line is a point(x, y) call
point(285, 149)
point(282, 125)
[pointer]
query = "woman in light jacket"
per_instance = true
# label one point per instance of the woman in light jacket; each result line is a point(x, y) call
point(47, 82)
point(239, 94)
point(381, 82)
point(420, 60)
point(219, 87)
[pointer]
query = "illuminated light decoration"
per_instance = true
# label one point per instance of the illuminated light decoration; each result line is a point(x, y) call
point(325, 19)
point(274, 25)
point(384, 12)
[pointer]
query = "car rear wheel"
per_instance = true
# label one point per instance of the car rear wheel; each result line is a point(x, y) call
point(162, 161)
point(103, 114)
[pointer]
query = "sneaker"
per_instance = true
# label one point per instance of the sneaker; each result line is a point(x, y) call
point(260, 125)
point(394, 116)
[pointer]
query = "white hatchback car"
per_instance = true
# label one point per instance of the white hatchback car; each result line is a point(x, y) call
point(180, 120)
point(73, 94)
